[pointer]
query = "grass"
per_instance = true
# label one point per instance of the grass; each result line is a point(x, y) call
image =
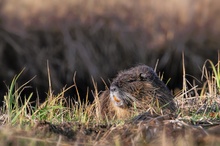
point(16, 109)
point(201, 103)
point(197, 106)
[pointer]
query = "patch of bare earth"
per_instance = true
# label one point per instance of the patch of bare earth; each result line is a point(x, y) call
point(145, 130)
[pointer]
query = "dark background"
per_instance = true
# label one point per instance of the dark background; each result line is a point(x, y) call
point(99, 38)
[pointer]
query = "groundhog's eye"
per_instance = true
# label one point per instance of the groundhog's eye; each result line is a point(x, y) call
point(143, 76)
point(130, 80)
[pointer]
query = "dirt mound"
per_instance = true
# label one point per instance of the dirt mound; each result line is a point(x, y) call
point(162, 130)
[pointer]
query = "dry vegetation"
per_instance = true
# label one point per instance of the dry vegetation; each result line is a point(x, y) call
point(57, 121)
point(98, 38)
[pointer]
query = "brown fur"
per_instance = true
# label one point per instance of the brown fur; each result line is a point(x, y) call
point(138, 89)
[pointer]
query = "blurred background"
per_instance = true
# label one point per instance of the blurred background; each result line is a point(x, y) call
point(97, 38)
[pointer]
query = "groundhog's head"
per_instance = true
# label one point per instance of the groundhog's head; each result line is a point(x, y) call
point(138, 88)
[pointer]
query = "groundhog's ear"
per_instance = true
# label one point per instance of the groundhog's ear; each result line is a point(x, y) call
point(143, 76)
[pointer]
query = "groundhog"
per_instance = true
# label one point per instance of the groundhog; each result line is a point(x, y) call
point(136, 90)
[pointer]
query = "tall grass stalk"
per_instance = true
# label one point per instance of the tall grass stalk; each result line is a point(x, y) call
point(14, 107)
point(216, 71)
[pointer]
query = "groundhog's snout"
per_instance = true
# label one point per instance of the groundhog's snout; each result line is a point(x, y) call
point(115, 96)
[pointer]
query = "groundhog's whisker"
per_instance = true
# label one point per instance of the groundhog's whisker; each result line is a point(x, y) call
point(129, 97)
point(138, 104)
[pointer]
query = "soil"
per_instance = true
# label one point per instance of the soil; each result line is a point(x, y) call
point(150, 130)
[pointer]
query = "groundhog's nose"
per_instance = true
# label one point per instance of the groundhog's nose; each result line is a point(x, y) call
point(113, 88)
